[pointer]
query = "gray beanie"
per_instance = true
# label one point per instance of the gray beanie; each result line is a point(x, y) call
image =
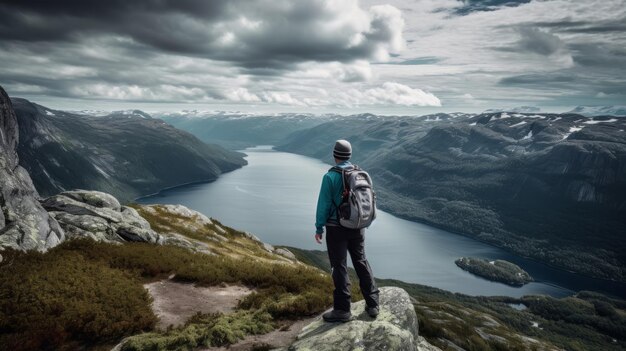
point(342, 150)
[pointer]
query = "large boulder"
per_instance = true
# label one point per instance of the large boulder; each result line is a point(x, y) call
point(99, 216)
point(395, 328)
point(24, 224)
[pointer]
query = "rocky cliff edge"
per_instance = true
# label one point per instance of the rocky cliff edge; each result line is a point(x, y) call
point(24, 223)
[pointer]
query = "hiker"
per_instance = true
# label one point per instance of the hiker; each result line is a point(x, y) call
point(340, 240)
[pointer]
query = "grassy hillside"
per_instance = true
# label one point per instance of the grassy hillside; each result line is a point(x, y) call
point(85, 294)
point(88, 294)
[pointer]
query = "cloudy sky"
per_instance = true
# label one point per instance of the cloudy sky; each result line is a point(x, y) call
point(346, 56)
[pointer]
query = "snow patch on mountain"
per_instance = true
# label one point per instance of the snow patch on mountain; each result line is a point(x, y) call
point(605, 121)
point(518, 124)
point(572, 130)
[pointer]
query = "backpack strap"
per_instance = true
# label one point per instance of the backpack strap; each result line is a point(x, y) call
point(341, 171)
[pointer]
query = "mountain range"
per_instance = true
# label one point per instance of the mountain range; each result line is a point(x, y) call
point(546, 186)
point(124, 153)
point(238, 131)
point(591, 111)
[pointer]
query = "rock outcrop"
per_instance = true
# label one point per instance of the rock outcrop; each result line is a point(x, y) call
point(396, 328)
point(24, 224)
point(99, 216)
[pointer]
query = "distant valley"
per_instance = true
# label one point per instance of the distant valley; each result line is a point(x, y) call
point(238, 131)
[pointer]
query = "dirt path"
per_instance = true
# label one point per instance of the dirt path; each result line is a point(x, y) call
point(175, 302)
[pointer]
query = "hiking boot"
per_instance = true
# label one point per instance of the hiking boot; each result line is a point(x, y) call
point(337, 316)
point(372, 311)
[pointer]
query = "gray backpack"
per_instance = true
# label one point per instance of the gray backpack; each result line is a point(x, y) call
point(358, 201)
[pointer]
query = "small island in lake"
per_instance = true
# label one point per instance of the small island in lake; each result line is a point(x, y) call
point(498, 270)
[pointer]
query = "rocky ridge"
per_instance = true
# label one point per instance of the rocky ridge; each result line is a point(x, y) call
point(24, 223)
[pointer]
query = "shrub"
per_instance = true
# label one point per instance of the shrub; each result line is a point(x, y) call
point(203, 330)
point(60, 299)
point(87, 293)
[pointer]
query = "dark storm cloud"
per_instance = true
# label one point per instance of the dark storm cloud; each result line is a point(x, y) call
point(569, 82)
point(584, 27)
point(599, 54)
point(61, 20)
point(603, 55)
point(250, 34)
point(426, 60)
point(538, 79)
point(534, 40)
point(470, 6)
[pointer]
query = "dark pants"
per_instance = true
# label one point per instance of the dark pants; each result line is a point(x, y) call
point(340, 241)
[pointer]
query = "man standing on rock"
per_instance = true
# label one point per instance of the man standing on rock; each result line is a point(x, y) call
point(341, 240)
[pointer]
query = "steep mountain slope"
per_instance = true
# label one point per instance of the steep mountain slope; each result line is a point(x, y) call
point(237, 131)
point(24, 224)
point(551, 187)
point(126, 154)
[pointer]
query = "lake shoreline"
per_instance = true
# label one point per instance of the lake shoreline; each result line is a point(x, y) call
point(238, 186)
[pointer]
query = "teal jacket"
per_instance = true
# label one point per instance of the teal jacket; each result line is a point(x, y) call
point(332, 187)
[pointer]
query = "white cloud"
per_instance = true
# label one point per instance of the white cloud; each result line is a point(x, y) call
point(278, 97)
point(241, 94)
point(160, 93)
point(389, 93)
point(386, 27)
point(399, 94)
point(282, 98)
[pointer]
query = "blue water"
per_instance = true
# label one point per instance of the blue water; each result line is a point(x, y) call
point(275, 195)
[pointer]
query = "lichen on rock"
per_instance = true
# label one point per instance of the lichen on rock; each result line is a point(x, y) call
point(99, 216)
point(395, 328)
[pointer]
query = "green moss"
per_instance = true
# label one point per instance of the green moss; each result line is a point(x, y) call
point(237, 244)
point(204, 330)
